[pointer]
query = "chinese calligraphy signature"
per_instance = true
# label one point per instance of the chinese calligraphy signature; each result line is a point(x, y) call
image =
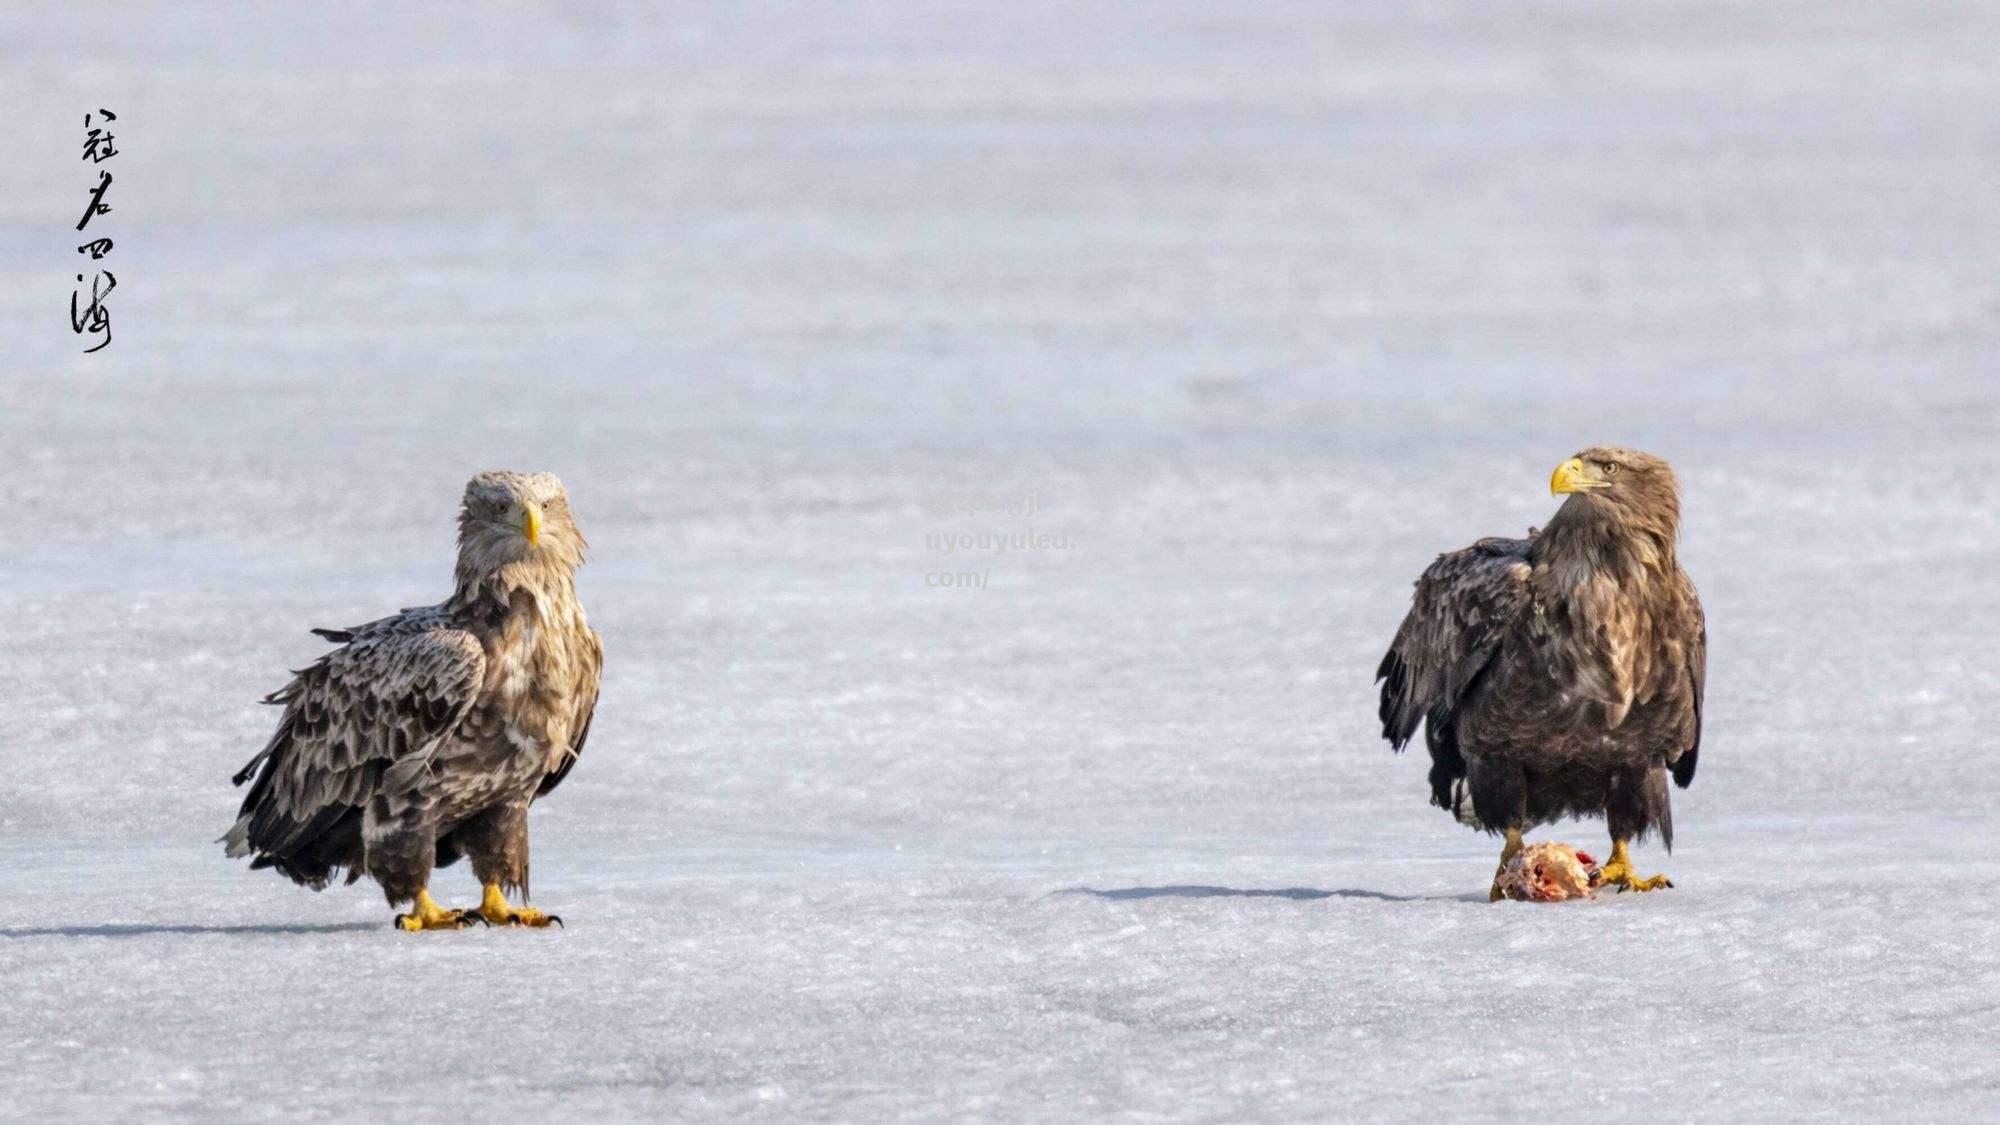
point(99, 145)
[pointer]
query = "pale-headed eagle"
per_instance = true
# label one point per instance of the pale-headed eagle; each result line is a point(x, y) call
point(1561, 674)
point(426, 735)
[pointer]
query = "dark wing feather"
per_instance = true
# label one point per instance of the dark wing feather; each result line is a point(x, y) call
point(591, 667)
point(1464, 605)
point(1697, 669)
point(389, 693)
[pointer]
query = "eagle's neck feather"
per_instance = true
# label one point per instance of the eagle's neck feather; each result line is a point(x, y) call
point(544, 582)
point(1588, 542)
point(1603, 579)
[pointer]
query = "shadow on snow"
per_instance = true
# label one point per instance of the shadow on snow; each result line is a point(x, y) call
point(1296, 894)
point(140, 929)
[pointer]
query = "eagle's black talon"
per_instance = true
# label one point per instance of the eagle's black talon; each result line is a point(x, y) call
point(556, 921)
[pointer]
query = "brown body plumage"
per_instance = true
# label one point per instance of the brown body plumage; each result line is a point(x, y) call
point(1562, 674)
point(427, 734)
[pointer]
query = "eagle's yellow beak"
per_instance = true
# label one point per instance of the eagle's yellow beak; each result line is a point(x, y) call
point(531, 523)
point(1569, 477)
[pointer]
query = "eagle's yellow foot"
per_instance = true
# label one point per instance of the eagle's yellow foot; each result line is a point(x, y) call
point(1508, 851)
point(493, 909)
point(1617, 872)
point(426, 914)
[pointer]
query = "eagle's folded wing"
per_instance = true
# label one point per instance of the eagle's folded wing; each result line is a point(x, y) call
point(1463, 606)
point(587, 672)
point(1697, 670)
point(386, 696)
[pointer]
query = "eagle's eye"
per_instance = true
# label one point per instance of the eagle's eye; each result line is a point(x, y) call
point(1611, 468)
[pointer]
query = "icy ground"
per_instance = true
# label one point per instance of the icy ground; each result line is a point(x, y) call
point(1264, 306)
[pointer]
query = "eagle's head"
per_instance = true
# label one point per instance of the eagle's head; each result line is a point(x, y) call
point(1625, 486)
point(519, 520)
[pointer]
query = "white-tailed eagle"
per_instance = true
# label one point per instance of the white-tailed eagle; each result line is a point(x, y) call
point(1561, 674)
point(426, 735)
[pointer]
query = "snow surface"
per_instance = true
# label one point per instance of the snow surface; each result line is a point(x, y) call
point(1265, 307)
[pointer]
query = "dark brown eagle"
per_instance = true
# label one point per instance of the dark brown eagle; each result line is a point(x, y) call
point(1561, 674)
point(428, 733)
